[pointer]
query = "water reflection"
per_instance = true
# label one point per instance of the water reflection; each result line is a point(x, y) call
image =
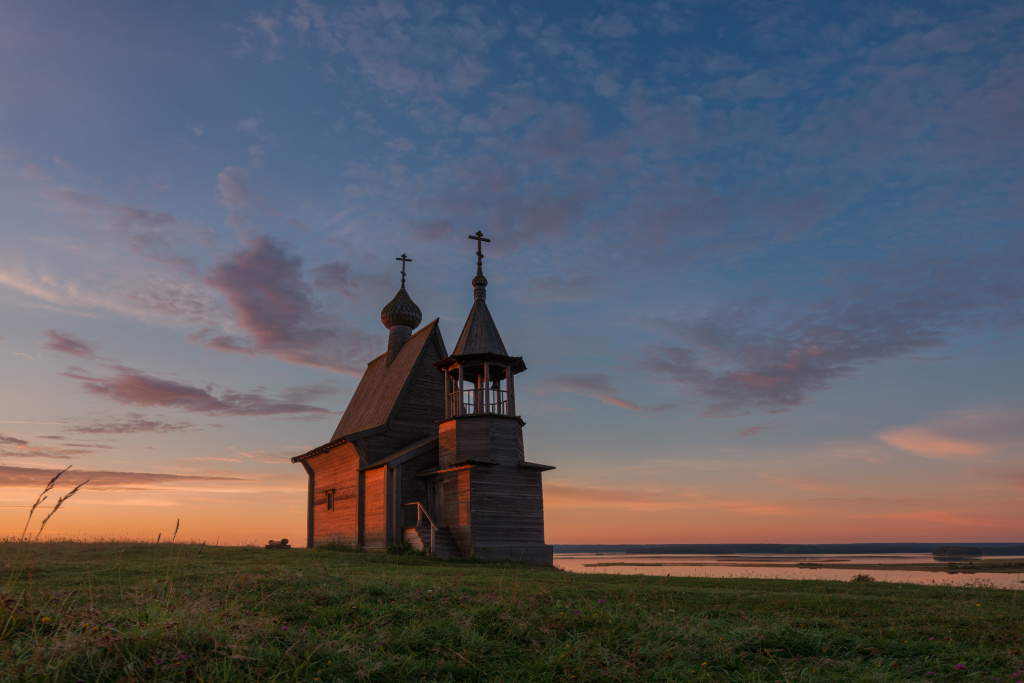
point(782, 567)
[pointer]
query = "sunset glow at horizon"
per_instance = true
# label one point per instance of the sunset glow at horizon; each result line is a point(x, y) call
point(765, 263)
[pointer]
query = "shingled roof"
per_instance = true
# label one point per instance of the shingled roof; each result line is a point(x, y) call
point(380, 392)
point(480, 334)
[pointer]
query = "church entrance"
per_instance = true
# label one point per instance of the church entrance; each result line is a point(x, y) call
point(435, 501)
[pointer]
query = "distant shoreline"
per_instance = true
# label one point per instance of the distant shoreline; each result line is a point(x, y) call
point(968, 567)
point(988, 549)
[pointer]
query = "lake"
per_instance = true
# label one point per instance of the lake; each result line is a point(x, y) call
point(782, 567)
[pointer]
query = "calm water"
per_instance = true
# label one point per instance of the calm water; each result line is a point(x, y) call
point(782, 567)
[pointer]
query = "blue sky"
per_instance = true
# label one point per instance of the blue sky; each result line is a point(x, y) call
point(763, 259)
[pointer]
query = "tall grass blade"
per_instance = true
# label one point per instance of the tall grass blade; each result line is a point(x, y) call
point(41, 498)
point(60, 501)
point(176, 525)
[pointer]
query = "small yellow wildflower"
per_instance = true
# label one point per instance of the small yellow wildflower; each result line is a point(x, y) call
point(46, 620)
point(977, 604)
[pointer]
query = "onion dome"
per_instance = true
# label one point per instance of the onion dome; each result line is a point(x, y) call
point(401, 311)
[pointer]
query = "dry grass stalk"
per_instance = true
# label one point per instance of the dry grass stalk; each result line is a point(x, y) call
point(42, 496)
point(60, 501)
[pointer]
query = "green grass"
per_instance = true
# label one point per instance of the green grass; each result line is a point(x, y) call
point(126, 611)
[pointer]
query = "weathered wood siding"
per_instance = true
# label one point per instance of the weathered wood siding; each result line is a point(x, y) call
point(457, 508)
point(446, 442)
point(382, 445)
point(507, 507)
point(486, 437)
point(375, 522)
point(423, 403)
point(336, 469)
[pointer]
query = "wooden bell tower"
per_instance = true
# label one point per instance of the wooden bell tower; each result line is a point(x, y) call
point(490, 497)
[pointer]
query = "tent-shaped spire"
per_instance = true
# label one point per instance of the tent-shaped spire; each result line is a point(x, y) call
point(480, 336)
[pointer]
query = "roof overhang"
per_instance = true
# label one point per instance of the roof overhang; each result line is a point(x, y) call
point(405, 454)
point(319, 449)
point(517, 362)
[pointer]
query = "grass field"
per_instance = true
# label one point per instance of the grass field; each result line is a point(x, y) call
point(75, 611)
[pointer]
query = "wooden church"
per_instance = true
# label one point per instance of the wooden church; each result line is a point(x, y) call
point(430, 448)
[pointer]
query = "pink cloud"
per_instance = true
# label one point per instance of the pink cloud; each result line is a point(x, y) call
point(966, 434)
point(750, 431)
point(276, 308)
point(65, 342)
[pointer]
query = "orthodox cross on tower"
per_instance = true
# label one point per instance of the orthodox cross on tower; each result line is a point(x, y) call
point(404, 259)
point(480, 239)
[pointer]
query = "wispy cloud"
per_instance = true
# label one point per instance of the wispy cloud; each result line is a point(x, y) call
point(803, 484)
point(11, 447)
point(103, 479)
point(132, 387)
point(599, 386)
point(648, 498)
point(948, 518)
point(749, 355)
point(963, 435)
point(132, 424)
point(65, 342)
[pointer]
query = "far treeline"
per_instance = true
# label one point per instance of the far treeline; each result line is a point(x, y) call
point(989, 549)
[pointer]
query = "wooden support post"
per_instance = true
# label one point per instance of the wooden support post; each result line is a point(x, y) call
point(485, 395)
point(511, 391)
point(447, 393)
point(458, 394)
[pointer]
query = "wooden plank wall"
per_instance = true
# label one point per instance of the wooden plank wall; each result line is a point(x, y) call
point(498, 439)
point(375, 509)
point(336, 469)
point(507, 506)
point(382, 445)
point(423, 403)
point(457, 508)
point(446, 443)
point(506, 438)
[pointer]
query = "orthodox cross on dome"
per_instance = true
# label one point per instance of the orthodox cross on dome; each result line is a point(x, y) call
point(480, 239)
point(404, 259)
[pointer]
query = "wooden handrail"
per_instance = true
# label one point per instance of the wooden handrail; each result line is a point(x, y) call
point(421, 512)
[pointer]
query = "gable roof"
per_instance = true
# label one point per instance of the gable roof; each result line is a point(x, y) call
point(380, 392)
point(480, 334)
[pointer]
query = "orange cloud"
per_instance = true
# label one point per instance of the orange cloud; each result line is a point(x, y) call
point(801, 485)
point(949, 518)
point(927, 443)
point(964, 434)
point(570, 496)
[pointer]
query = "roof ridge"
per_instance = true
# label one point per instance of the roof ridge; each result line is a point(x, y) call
point(383, 387)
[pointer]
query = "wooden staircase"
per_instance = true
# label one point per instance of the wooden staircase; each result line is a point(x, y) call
point(419, 538)
point(425, 534)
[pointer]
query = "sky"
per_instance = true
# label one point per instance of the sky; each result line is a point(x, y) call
point(763, 259)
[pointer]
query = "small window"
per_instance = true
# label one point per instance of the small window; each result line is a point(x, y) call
point(330, 499)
